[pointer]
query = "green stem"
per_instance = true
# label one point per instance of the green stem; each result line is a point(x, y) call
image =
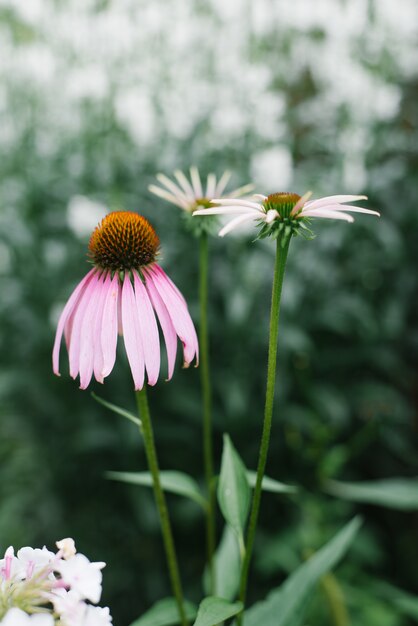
point(151, 453)
point(207, 407)
point(335, 597)
point(279, 269)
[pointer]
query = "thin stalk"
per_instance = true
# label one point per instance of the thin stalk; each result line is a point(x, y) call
point(151, 453)
point(207, 407)
point(279, 269)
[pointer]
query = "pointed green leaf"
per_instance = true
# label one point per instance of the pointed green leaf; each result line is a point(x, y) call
point(174, 482)
point(287, 605)
point(270, 484)
point(214, 610)
point(117, 409)
point(227, 566)
point(394, 493)
point(165, 613)
point(233, 489)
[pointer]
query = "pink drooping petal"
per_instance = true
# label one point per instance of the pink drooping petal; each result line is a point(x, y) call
point(87, 334)
point(77, 323)
point(149, 330)
point(322, 202)
point(177, 310)
point(68, 309)
point(160, 271)
point(237, 222)
point(109, 331)
point(169, 333)
point(98, 359)
point(131, 333)
point(332, 215)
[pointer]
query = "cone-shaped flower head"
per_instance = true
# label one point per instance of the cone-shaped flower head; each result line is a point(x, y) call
point(284, 213)
point(192, 194)
point(125, 293)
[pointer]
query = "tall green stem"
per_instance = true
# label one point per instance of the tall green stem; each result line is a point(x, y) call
point(279, 269)
point(151, 453)
point(207, 406)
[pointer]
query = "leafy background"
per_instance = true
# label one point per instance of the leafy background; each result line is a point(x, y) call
point(96, 96)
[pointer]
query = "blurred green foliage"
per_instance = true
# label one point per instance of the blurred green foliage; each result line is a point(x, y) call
point(273, 96)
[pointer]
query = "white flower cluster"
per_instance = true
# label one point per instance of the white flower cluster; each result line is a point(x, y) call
point(43, 588)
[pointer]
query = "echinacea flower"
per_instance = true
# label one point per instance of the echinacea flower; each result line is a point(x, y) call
point(284, 212)
point(125, 292)
point(191, 194)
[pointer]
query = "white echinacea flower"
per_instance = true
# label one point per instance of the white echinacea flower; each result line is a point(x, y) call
point(191, 194)
point(283, 213)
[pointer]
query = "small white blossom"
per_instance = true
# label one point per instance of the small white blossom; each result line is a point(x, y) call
point(66, 547)
point(16, 617)
point(84, 577)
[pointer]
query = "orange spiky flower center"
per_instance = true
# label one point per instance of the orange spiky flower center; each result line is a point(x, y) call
point(123, 241)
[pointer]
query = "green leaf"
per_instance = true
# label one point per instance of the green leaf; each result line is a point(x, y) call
point(286, 606)
point(165, 613)
point(394, 493)
point(117, 409)
point(404, 602)
point(233, 490)
point(227, 566)
point(213, 610)
point(270, 484)
point(174, 482)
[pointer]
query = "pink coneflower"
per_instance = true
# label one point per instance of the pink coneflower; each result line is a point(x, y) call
point(126, 292)
point(283, 211)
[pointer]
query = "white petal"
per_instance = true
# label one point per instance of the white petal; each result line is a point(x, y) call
point(313, 204)
point(166, 195)
point(197, 185)
point(227, 210)
point(241, 191)
point(236, 222)
point(333, 215)
point(184, 183)
point(344, 207)
point(222, 182)
point(167, 182)
point(210, 186)
point(237, 202)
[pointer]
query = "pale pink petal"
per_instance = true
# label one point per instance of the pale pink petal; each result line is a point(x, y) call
point(210, 186)
point(185, 185)
point(237, 202)
point(222, 183)
point(169, 333)
point(226, 210)
point(343, 207)
point(241, 191)
point(97, 330)
point(74, 348)
point(237, 222)
point(259, 196)
point(131, 333)
point(332, 215)
point(160, 270)
point(87, 347)
point(168, 183)
point(109, 333)
point(299, 204)
point(197, 185)
point(149, 330)
point(68, 309)
point(313, 204)
point(166, 195)
point(177, 310)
